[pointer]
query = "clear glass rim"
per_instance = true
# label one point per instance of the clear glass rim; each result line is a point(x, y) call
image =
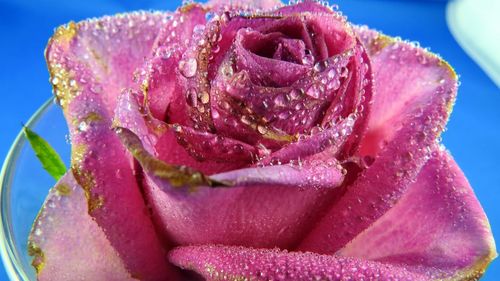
point(8, 250)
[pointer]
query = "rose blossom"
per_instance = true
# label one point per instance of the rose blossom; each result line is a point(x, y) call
point(254, 141)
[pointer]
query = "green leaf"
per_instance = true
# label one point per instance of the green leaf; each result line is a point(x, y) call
point(51, 161)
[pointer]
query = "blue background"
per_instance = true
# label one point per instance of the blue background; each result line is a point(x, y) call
point(473, 135)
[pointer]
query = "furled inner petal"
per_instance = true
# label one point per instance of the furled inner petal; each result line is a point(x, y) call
point(255, 53)
point(234, 59)
point(326, 140)
point(169, 141)
point(304, 174)
point(206, 146)
point(157, 77)
point(235, 263)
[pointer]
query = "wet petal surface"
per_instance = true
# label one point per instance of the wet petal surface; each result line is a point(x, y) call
point(438, 227)
point(239, 263)
point(395, 166)
point(259, 211)
point(406, 79)
point(67, 244)
point(88, 74)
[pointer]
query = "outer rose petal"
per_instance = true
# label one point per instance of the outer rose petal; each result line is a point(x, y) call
point(239, 263)
point(67, 244)
point(398, 163)
point(438, 225)
point(405, 81)
point(267, 214)
point(90, 62)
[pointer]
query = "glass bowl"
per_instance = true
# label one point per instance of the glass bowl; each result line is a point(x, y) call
point(24, 184)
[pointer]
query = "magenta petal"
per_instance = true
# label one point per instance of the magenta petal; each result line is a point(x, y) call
point(328, 140)
point(90, 62)
point(305, 6)
point(111, 47)
point(67, 244)
point(308, 174)
point(406, 79)
point(253, 53)
point(176, 144)
point(243, 4)
point(239, 263)
point(211, 147)
point(266, 214)
point(438, 225)
point(157, 76)
point(395, 166)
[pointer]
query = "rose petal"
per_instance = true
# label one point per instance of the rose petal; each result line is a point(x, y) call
point(243, 4)
point(355, 98)
point(305, 6)
point(395, 166)
point(171, 142)
point(307, 174)
point(328, 140)
point(254, 53)
point(406, 80)
point(205, 146)
point(437, 225)
point(88, 74)
point(235, 263)
point(89, 43)
point(275, 212)
point(67, 244)
point(157, 76)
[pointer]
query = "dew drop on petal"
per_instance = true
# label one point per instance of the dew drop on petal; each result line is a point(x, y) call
point(83, 126)
point(262, 130)
point(191, 97)
point(188, 67)
point(280, 100)
point(205, 98)
point(331, 73)
point(313, 92)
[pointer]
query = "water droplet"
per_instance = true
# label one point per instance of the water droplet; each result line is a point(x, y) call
point(295, 94)
point(191, 97)
point(199, 28)
point(280, 101)
point(205, 97)
point(83, 126)
point(308, 58)
point(262, 129)
point(284, 115)
point(188, 67)
point(245, 120)
point(320, 66)
point(177, 128)
point(344, 71)
point(313, 92)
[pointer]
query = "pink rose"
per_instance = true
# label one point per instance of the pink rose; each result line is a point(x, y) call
point(254, 141)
